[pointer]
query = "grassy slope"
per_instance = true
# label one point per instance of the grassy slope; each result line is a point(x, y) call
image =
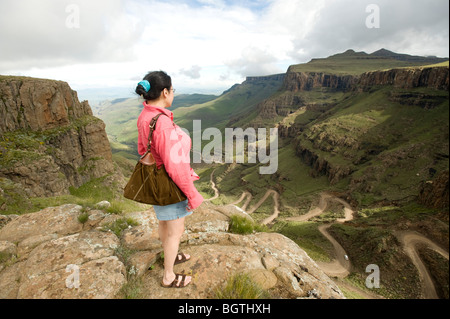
point(391, 146)
point(392, 143)
point(231, 105)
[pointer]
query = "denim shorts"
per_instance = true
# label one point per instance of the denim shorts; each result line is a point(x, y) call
point(172, 212)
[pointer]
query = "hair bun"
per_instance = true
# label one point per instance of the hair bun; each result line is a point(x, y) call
point(146, 85)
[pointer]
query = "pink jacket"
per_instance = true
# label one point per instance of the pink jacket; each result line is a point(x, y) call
point(171, 147)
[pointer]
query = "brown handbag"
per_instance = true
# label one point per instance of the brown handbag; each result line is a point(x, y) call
point(150, 185)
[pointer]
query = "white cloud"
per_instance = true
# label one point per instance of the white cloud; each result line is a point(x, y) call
point(204, 43)
point(253, 62)
point(37, 33)
point(193, 72)
point(413, 27)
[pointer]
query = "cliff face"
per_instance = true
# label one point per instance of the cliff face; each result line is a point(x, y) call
point(435, 78)
point(407, 78)
point(300, 81)
point(294, 82)
point(38, 104)
point(274, 77)
point(49, 140)
point(280, 106)
point(337, 148)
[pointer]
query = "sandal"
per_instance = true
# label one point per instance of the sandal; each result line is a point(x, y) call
point(175, 282)
point(181, 260)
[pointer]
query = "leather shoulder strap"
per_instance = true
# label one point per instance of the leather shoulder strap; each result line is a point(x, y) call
point(152, 128)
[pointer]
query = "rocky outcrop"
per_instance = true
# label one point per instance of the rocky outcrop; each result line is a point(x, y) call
point(423, 100)
point(280, 106)
point(51, 255)
point(49, 140)
point(435, 193)
point(48, 248)
point(274, 77)
point(407, 78)
point(306, 81)
point(322, 167)
point(38, 104)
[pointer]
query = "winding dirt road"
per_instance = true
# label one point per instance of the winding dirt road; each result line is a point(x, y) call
point(276, 205)
point(410, 240)
point(341, 267)
point(213, 186)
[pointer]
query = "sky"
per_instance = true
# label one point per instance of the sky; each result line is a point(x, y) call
point(206, 46)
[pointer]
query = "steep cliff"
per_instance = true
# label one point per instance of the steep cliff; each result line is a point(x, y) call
point(407, 78)
point(282, 105)
point(49, 140)
point(305, 81)
point(37, 104)
point(375, 128)
point(386, 135)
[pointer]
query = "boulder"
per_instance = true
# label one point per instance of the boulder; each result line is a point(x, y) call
point(61, 220)
point(60, 258)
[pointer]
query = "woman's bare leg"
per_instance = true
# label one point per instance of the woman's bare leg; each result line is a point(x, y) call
point(170, 234)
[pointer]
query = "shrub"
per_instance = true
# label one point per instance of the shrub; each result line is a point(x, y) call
point(120, 225)
point(83, 217)
point(242, 225)
point(240, 286)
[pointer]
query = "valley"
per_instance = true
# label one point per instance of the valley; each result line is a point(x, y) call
point(362, 162)
point(340, 265)
point(372, 132)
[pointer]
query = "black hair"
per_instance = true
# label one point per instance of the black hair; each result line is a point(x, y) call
point(159, 81)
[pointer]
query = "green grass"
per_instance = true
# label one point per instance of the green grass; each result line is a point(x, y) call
point(308, 237)
point(391, 145)
point(133, 289)
point(186, 100)
point(436, 65)
point(83, 217)
point(385, 216)
point(88, 195)
point(240, 286)
point(120, 225)
point(242, 225)
point(228, 107)
point(93, 190)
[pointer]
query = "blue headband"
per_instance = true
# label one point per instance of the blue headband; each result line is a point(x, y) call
point(146, 85)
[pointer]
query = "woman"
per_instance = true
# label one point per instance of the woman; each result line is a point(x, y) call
point(171, 148)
